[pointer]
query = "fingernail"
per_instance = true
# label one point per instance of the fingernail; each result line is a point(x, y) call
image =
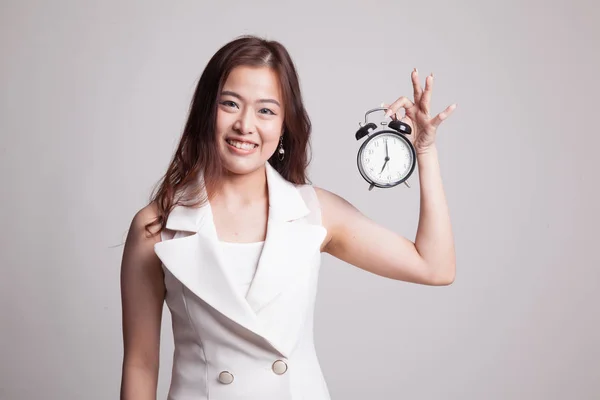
point(417, 71)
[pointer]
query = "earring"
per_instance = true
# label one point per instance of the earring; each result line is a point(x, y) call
point(281, 150)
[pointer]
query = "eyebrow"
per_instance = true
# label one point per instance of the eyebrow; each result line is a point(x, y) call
point(234, 94)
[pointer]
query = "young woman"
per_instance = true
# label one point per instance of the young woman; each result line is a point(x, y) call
point(232, 238)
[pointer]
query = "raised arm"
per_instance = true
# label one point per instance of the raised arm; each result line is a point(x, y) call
point(142, 297)
point(356, 239)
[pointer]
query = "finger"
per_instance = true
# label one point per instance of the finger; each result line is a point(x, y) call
point(387, 107)
point(399, 115)
point(402, 102)
point(394, 115)
point(417, 91)
point(443, 115)
point(426, 97)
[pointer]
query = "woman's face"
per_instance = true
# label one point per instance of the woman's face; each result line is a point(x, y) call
point(249, 118)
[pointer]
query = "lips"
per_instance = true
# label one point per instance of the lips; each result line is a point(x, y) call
point(241, 146)
point(241, 140)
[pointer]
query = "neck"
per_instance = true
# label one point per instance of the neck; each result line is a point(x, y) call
point(240, 190)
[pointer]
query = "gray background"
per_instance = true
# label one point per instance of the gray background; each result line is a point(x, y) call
point(94, 96)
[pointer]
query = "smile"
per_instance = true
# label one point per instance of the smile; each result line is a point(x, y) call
point(241, 145)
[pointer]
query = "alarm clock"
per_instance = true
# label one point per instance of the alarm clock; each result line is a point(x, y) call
point(386, 158)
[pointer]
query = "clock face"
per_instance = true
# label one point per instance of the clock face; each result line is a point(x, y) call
point(386, 159)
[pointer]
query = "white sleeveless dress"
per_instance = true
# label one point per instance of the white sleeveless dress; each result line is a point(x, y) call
point(241, 261)
point(242, 314)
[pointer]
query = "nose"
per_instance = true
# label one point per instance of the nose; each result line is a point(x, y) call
point(245, 124)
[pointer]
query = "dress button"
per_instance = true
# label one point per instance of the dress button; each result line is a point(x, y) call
point(225, 377)
point(279, 367)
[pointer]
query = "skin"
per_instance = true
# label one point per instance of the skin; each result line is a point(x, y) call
point(250, 109)
point(240, 211)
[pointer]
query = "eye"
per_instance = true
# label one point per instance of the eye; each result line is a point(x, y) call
point(268, 111)
point(229, 103)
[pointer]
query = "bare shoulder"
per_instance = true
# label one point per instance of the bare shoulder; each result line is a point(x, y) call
point(142, 218)
point(140, 243)
point(328, 198)
point(334, 206)
point(335, 212)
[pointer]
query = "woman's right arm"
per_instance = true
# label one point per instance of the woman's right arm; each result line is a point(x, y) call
point(142, 297)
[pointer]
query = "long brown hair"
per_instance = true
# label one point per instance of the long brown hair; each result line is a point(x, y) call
point(197, 150)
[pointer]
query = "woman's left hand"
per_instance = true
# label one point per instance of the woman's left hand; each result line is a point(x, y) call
point(417, 114)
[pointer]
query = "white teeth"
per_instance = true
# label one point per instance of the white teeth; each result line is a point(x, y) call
point(241, 145)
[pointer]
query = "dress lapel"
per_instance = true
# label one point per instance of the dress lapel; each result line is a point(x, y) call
point(195, 261)
point(290, 244)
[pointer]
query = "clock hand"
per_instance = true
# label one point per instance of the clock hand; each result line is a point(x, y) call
point(387, 156)
point(384, 164)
